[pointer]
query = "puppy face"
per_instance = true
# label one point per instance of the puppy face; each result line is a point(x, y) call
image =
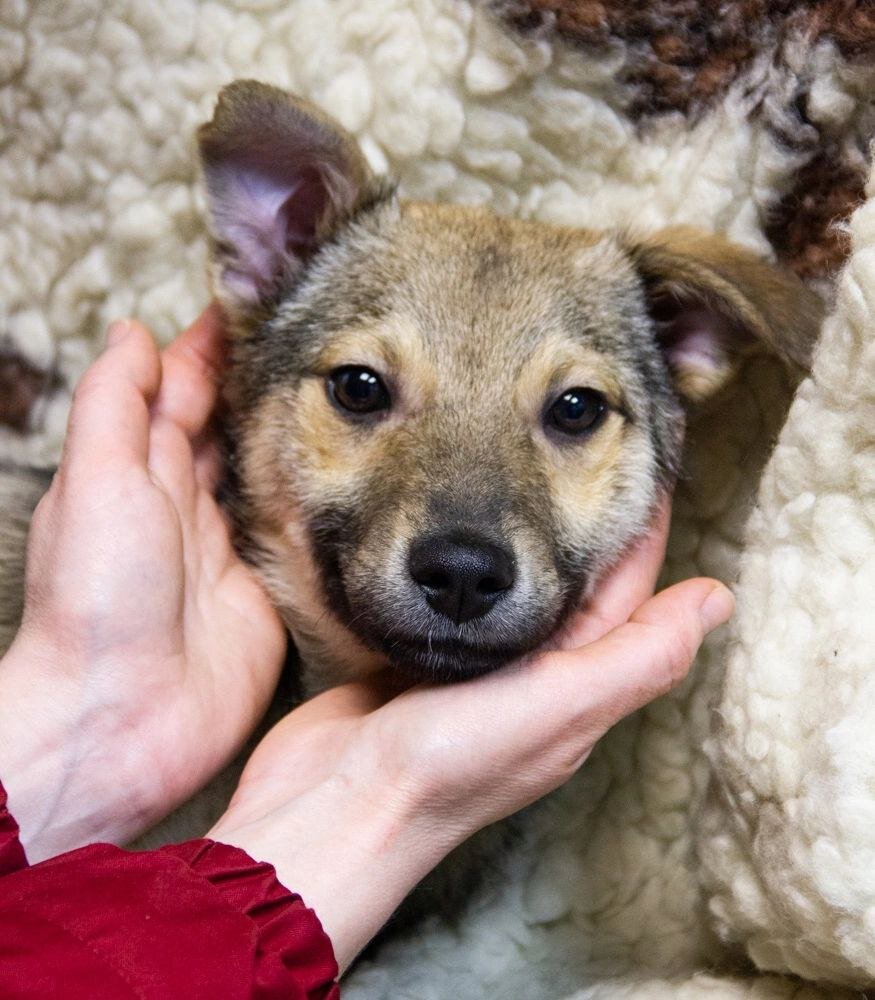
point(446, 425)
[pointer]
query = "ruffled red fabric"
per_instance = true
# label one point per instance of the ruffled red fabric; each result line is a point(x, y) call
point(12, 855)
point(195, 920)
point(290, 936)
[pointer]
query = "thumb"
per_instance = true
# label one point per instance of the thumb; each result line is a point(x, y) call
point(640, 660)
point(108, 426)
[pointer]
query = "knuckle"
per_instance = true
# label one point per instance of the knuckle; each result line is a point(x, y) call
point(565, 762)
point(680, 647)
point(91, 385)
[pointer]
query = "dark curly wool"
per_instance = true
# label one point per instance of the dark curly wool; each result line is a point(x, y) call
point(682, 57)
point(803, 227)
point(22, 385)
point(685, 53)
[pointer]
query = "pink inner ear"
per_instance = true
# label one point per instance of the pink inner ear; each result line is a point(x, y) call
point(302, 211)
point(266, 214)
point(695, 340)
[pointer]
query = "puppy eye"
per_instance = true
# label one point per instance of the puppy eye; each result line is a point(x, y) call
point(358, 390)
point(577, 411)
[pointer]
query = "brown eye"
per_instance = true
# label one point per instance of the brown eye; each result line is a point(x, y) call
point(577, 411)
point(358, 390)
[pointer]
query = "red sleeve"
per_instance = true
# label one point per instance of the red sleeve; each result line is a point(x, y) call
point(11, 852)
point(195, 920)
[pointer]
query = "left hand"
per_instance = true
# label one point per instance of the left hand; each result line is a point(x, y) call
point(147, 651)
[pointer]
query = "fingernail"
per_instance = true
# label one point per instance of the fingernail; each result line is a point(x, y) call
point(717, 607)
point(117, 332)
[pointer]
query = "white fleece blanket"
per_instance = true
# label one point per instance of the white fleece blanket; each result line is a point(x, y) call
point(101, 217)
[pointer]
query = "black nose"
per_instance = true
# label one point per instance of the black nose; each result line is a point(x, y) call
point(461, 579)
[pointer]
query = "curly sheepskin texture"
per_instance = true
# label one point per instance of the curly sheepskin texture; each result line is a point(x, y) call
point(101, 216)
point(788, 837)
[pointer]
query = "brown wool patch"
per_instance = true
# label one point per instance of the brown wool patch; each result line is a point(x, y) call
point(804, 226)
point(683, 52)
point(21, 386)
point(849, 23)
point(684, 55)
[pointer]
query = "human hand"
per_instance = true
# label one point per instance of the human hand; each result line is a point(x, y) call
point(361, 791)
point(147, 650)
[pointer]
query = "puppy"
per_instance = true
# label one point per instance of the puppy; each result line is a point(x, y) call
point(444, 426)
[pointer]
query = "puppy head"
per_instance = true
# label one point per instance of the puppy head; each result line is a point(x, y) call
point(447, 424)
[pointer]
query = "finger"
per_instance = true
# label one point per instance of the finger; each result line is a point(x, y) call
point(625, 587)
point(108, 426)
point(354, 700)
point(192, 367)
point(639, 660)
point(171, 464)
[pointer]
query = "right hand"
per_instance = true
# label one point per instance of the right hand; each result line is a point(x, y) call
point(357, 794)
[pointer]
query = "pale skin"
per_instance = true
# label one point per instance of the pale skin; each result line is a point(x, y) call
point(148, 652)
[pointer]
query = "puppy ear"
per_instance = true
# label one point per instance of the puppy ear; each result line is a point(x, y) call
point(714, 302)
point(280, 176)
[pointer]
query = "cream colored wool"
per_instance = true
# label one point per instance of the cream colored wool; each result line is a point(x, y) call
point(101, 217)
point(788, 837)
point(710, 987)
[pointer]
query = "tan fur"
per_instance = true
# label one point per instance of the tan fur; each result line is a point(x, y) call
point(582, 489)
point(473, 342)
point(280, 531)
point(394, 347)
point(560, 362)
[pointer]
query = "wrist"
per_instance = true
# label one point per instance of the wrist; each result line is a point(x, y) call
point(351, 858)
point(62, 760)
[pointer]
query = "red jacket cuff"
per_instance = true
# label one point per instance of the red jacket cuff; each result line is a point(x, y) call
point(290, 935)
point(12, 855)
point(198, 919)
